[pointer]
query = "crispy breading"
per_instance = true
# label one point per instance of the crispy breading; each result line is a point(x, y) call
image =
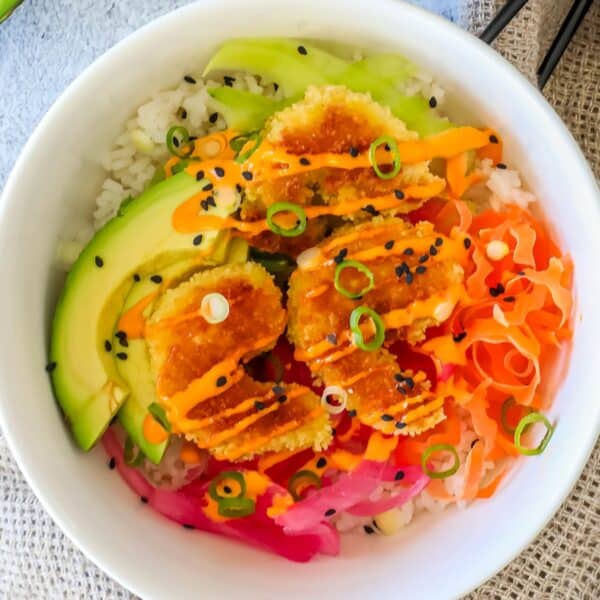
point(246, 417)
point(331, 119)
point(319, 317)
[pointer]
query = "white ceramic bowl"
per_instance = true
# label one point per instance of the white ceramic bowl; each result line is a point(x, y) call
point(54, 183)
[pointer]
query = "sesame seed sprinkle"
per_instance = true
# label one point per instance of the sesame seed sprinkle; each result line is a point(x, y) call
point(219, 171)
point(433, 102)
point(420, 269)
point(433, 250)
point(439, 241)
point(199, 175)
point(389, 244)
point(121, 355)
point(467, 243)
point(282, 399)
point(156, 279)
point(410, 382)
point(213, 117)
point(210, 201)
point(509, 299)
point(304, 161)
point(409, 251)
point(302, 50)
point(399, 474)
point(228, 80)
point(423, 258)
point(107, 345)
point(144, 500)
point(501, 166)
point(330, 512)
point(189, 79)
point(400, 425)
point(340, 256)
point(275, 86)
point(207, 187)
point(493, 139)
point(247, 175)
point(278, 389)
point(238, 188)
point(188, 526)
point(368, 530)
point(386, 417)
point(221, 381)
point(409, 278)
point(204, 204)
point(332, 338)
point(399, 377)
point(459, 337)
point(258, 405)
point(123, 342)
point(112, 463)
point(399, 194)
point(400, 388)
point(51, 366)
point(369, 208)
point(321, 462)
point(352, 413)
point(136, 277)
point(496, 291)
point(99, 262)
point(197, 240)
point(353, 151)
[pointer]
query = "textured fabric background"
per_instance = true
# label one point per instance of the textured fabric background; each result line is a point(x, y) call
point(47, 43)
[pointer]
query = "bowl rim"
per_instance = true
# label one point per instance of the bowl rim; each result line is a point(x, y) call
point(103, 559)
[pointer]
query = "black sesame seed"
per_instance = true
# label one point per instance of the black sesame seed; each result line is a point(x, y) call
point(409, 251)
point(259, 405)
point(420, 270)
point(247, 175)
point(389, 244)
point(423, 258)
point(474, 442)
point(210, 201)
point(282, 399)
point(227, 489)
point(467, 243)
point(121, 355)
point(521, 273)
point(221, 381)
point(238, 188)
point(399, 194)
point(219, 171)
point(112, 463)
point(330, 512)
point(199, 175)
point(399, 271)
point(208, 187)
point(433, 250)
point(144, 500)
point(188, 526)
point(433, 102)
point(439, 241)
point(369, 208)
point(493, 139)
point(368, 529)
point(496, 291)
point(500, 166)
point(175, 142)
point(409, 382)
point(400, 388)
point(204, 204)
point(197, 240)
point(120, 334)
point(340, 256)
point(399, 474)
point(353, 151)
point(107, 346)
point(386, 417)
point(304, 161)
point(275, 86)
point(213, 117)
point(99, 262)
point(156, 279)
point(400, 425)
point(387, 147)
point(409, 278)
point(321, 462)
point(183, 113)
point(229, 81)
point(192, 138)
point(302, 50)
point(399, 377)
point(459, 337)
point(189, 79)
point(123, 341)
point(50, 366)
point(278, 389)
point(332, 338)
point(352, 413)
point(509, 299)
point(136, 277)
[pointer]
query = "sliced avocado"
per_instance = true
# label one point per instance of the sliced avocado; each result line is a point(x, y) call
point(243, 110)
point(86, 382)
point(136, 371)
point(295, 65)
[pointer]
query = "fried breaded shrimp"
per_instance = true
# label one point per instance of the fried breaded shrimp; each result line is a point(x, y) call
point(331, 119)
point(200, 381)
point(417, 280)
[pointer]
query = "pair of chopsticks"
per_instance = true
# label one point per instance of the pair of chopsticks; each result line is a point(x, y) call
point(558, 46)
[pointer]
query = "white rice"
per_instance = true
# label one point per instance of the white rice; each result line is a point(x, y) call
point(140, 149)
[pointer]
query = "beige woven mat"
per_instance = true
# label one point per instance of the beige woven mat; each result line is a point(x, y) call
point(564, 561)
point(38, 562)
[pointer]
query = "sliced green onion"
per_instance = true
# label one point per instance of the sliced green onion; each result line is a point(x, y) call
point(224, 476)
point(359, 339)
point(279, 207)
point(178, 142)
point(180, 166)
point(530, 419)
point(234, 508)
point(440, 448)
point(396, 162)
point(239, 142)
point(301, 480)
point(130, 457)
point(353, 264)
point(506, 406)
point(159, 414)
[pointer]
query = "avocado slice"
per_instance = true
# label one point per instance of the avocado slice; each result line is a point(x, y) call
point(86, 381)
point(136, 371)
point(295, 65)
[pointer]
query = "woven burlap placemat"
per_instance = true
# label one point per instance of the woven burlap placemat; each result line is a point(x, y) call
point(38, 562)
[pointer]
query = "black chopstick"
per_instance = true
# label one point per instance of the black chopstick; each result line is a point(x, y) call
point(501, 20)
point(561, 41)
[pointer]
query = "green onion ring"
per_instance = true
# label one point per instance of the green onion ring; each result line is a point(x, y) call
point(530, 419)
point(236, 476)
point(128, 454)
point(234, 508)
point(310, 476)
point(506, 406)
point(347, 264)
point(238, 143)
point(359, 340)
point(440, 448)
point(183, 149)
point(160, 416)
point(278, 207)
point(396, 162)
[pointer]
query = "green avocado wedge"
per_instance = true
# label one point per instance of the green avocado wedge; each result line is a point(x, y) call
point(295, 65)
point(86, 381)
